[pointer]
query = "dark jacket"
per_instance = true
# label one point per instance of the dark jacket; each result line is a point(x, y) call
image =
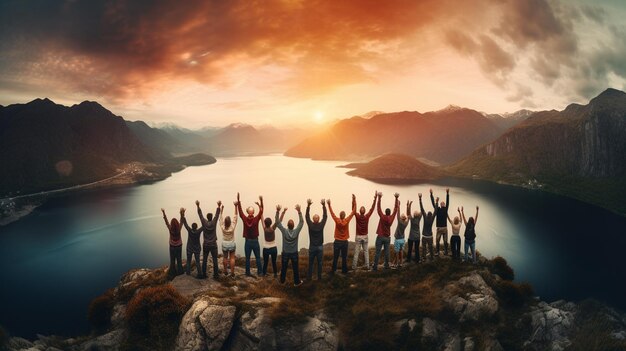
point(193, 240)
point(209, 228)
point(441, 212)
point(428, 221)
point(316, 230)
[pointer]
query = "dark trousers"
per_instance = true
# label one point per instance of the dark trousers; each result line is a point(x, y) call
point(252, 246)
point(455, 242)
point(205, 255)
point(315, 252)
point(415, 243)
point(176, 260)
point(286, 257)
point(267, 253)
point(196, 255)
point(382, 243)
point(340, 247)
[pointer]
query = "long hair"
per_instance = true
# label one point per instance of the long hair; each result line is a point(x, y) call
point(175, 226)
point(470, 222)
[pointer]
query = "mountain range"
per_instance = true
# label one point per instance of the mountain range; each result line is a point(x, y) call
point(443, 136)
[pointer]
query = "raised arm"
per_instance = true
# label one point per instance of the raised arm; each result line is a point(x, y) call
point(277, 220)
point(432, 199)
point(324, 214)
point(448, 197)
point(260, 215)
point(238, 207)
point(353, 204)
point(408, 209)
point(476, 218)
point(308, 211)
point(369, 213)
point(421, 205)
point(300, 222)
point(282, 215)
point(167, 223)
point(463, 216)
point(330, 208)
point(396, 206)
point(183, 220)
point(218, 211)
point(203, 221)
point(380, 212)
point(234, 219)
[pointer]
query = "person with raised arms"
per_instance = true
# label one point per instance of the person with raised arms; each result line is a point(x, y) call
point(228, 225)
point(290, 245)
point(342, 234)
point(270, 251)
point(470, 234)
point(441, 215)
point(176, 244)
point(427, 231)
point(193, 244)
point(455, 239)
point(398, 236)
point(362, 220)
point(209, 233)
point(383, 231)
point(316, 238)
point(414, 233)
point(251, 233)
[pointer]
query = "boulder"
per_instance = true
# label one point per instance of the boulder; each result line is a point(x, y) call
point(118, 315)
point(476, 299)
point(255, 332)
point(430, 329)
point(453, 342)
point(468, 343)
point(217, 322)
point(551, 325)
point(109, 342)
point(206, 325)
point(316, 334)
point(492, 345)
point(16, 343)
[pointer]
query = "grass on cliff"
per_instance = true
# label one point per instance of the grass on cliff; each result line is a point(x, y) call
point(361, 302)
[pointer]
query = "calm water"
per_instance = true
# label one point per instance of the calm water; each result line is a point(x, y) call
point(74, 248)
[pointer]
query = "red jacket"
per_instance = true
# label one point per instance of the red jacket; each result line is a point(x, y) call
point(385, 222)
point(250, 223)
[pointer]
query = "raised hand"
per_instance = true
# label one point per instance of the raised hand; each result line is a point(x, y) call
point(261, 198)
point(409, 203)
point(476, 208)
point(235, 203)
point(219, 203)
point(278, 207)
point(182, 211)
point(431, 190)
point(197, 203)
point(284, 209)
point(322, 202)
point(397, 195)
point(353, 197)
point(461, 208)
point(238, 200)
point(298, 208)
point(328, 201)
point(419, 195)
point(437, 200)
point(458, 209)
point(163, 210)
point(309, 202)
point(257, 203)
point(447, 190)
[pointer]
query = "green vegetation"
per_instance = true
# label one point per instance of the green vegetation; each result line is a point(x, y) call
point(153, 316)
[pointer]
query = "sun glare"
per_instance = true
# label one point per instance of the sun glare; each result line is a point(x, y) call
point(318, 116)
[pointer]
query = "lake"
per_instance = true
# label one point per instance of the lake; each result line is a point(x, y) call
point(73, 248)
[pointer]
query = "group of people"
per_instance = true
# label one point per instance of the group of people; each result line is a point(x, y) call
point(291, 232)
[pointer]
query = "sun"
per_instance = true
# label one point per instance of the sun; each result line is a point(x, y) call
point(318, 116)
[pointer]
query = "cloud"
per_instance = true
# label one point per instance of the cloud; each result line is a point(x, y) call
point(124, 50)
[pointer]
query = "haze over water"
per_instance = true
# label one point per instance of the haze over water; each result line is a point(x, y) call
point(74, 248)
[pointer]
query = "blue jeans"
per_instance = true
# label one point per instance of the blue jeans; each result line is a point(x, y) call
point(472, 246)
point(252, 245)
point(340, 247)
point(315, 252)
point(382, 243)
point(285, 258)
point(267, 253)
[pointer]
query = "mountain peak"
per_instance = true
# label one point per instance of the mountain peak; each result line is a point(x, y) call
point(451, 108)
point(41, 102)
point(608, 95)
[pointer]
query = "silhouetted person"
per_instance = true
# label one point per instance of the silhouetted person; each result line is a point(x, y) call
point(427, 232)
point(362, 220)
point(383, 238)
point(441, 214)
point(342, 234)
point(229, 247)
point(414, 233)
point(398, 236)
point(290, 245)
point(316, 238)
point(470, 234)
point(209, 233)
point(455, 239)
point(176, 245)
point(251, 233)
point(269, 248)
point(193, 244)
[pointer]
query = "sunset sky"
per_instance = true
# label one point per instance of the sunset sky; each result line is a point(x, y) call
point(199, 63)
